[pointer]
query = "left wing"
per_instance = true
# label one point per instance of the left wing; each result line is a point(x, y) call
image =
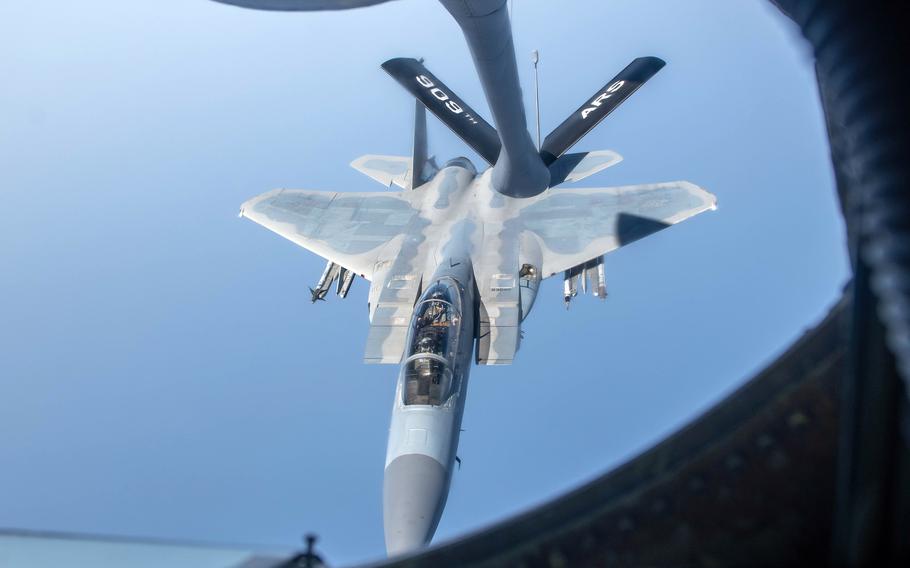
point(349, 229)
point(577, 225)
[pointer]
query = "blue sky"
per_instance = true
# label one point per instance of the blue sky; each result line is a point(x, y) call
point(162, 372)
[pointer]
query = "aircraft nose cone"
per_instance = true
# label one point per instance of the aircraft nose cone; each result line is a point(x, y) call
point(413, 495)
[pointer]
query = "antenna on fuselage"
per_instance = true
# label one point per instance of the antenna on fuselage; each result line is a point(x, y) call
point(535, 58)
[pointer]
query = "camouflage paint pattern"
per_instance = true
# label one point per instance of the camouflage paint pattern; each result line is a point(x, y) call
point(396, 239)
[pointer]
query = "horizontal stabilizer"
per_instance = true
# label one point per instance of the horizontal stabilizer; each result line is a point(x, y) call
point(385, 169)
point(446, 105)
point(598, 107)
point(578, 166)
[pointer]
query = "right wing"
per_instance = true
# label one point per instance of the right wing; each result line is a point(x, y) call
point(577, 225)
point(349, 229)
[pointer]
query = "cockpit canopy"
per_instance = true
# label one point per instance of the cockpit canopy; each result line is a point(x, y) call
point(434, 326)
point(432, 344)
point(427, 381)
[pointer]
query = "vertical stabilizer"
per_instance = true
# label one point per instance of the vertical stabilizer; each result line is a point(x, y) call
point(419, 157)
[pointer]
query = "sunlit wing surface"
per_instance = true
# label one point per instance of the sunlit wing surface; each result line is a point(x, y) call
point(577, 225)
point(349, 229)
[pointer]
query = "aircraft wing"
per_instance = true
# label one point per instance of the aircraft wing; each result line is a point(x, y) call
point(349, 229)
point(577, 225)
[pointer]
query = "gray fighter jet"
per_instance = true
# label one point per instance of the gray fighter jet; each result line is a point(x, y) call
point(455, 256)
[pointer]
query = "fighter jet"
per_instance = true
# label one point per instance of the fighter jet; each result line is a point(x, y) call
point(455, 255)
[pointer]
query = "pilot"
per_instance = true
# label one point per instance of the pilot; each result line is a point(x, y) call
point(425, 344)
point(427, 317)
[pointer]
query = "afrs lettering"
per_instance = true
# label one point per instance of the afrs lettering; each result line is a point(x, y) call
point(441, 96)
point(611, 90)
